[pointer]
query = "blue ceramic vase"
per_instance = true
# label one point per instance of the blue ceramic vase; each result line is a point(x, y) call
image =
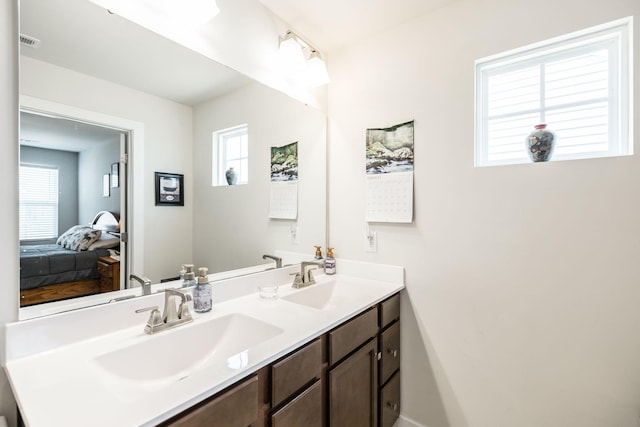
point(232, 176)
point(540, 144)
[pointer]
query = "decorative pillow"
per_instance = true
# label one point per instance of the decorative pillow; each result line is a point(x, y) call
point(105, 241)
point(78, 238)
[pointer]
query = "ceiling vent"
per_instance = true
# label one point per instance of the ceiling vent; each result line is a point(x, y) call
point(29, 41)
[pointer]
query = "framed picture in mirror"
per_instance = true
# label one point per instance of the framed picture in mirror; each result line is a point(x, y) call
point(169, 189)
point(106, 190)
point(115, 173)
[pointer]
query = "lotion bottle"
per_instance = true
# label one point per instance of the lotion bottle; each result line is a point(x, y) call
point(189, 276)
point(330, 262)
point(202, 300)
point(318, 252)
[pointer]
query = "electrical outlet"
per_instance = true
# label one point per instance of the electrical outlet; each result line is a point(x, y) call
point(371, 241)
point(295, 239)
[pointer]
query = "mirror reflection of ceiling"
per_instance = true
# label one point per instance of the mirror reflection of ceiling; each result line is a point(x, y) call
point(156, 65)
point(61, 134)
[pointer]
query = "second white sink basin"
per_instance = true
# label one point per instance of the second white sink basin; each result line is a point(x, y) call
point(319, 296)
point(173, 354)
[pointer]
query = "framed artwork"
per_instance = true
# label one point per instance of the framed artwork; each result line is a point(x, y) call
point(115, 174)
point(169, 189)
point(106, 190)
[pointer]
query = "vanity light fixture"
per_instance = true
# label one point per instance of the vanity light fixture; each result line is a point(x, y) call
point(299, 59)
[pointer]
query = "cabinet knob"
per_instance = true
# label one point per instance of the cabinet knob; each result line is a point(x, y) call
point(393, 406)
point(392, 352)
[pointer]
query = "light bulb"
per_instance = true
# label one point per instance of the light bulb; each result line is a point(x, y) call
point(317, 73)
point(290, 55)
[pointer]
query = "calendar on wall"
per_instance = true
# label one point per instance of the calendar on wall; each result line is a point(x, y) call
point(283, 197)
point(389, 174)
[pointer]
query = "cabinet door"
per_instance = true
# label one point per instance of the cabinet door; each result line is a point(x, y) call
point(305, 409)
point(236, 407)
point(353, 389)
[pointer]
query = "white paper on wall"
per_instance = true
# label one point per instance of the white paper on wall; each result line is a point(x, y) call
point(283, 200)
point(389, 197)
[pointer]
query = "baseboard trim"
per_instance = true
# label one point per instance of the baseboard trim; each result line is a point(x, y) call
point(406, 422)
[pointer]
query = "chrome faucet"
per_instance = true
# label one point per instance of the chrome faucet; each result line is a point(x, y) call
point(277, 259)
point(145, 282)
point(171, 316)
point(305, 277)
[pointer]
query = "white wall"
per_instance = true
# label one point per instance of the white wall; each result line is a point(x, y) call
point(168, 135)
point(236, 218)
point(522, 302)
point(9, 190)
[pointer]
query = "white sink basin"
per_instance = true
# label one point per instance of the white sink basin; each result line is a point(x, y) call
point(173, 354)
point(319, 296)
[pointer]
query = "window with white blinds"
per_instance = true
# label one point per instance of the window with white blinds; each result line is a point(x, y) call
point(578, 85)
point(38, 203)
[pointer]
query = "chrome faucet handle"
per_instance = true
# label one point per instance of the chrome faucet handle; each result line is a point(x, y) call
point(297, 281)
point(155, 318)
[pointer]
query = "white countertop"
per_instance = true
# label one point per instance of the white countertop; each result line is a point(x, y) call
point(52, 363)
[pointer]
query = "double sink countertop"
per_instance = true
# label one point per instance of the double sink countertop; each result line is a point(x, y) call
point(96, 366)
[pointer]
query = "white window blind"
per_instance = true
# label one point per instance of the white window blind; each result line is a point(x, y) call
point(231, 149)
point(38, 208)
point(579, 85)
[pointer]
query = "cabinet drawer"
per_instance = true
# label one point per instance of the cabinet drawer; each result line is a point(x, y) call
point(104, 269)
point(295, 371)
point(389, 352)
point(305, 410)
point(237, 406)
point(390, 401)
point(389, 310)
point(346, 338)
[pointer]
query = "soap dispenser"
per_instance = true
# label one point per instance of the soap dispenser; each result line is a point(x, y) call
point(202, 300)
point(318, 252)
point(330, 262)
point(189, 276)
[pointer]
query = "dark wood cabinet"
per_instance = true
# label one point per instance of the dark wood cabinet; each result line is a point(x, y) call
point(236, 406)
point(390, 401)
point(389, 363)
point(349, 376)
point(351, 334)
point(389, 352)
point(353, 388)
point(297, 387)
point(306, 409)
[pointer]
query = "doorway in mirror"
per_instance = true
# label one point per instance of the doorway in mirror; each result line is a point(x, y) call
point(67, 227)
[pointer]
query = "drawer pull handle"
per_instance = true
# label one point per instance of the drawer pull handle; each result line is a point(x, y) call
point(393, 406)
point(392, 352)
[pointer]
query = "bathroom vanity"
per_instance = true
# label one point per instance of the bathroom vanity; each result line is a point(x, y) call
point(327, 354)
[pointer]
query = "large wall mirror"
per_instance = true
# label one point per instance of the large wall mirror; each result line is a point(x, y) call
point(108, 104)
